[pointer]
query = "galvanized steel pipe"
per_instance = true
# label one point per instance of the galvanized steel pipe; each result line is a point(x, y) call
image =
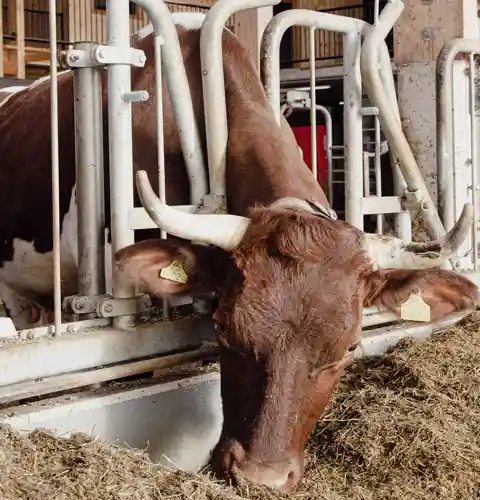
point(121, 159)
point(89, 178)
point(56, 224)
point(474, 154)
point(313, 107)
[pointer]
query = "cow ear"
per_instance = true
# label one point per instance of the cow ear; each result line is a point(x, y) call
point(168, 267)
point(444, 291)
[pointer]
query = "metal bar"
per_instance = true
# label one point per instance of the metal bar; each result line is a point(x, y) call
point(313, 106)
point(180, 96)
point(56, 227)
point(17, 392)
point(474, 154)
point(158, 41)
point(393, 131)
point(366, 174)
point(352, 125)
point(381, 205)
point(94, 347)
point(444, 93)
point(214, 89)
point(378, 171)
point(328, 150)
point(376, 342)
point(121, 160)
point(403, 219)
point(89, 176)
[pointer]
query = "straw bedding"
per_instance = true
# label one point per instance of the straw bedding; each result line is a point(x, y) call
point(406, 426)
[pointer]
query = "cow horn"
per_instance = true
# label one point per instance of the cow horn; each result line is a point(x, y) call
point(224, 231)
point(390, 252)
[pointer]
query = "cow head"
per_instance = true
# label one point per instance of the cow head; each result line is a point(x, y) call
point(291, 285)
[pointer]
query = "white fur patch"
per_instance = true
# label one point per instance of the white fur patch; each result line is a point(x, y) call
point(30, 273)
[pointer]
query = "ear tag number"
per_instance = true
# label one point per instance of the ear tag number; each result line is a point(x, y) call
point(415, 308)
point(174, 272)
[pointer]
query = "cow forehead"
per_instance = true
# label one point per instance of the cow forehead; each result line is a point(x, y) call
point(301, 307)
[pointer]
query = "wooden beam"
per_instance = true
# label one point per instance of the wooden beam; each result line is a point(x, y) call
point(20, 29)
point(249, 26)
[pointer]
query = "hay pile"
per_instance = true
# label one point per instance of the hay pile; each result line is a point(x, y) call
point(403, 427)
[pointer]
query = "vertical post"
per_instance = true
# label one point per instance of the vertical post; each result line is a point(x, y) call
point(1, 40)
point(313, 104)
point(89, 175)
point(20, 29)
point(57, 270)
point(158, 41)
point(474, 157)
point(120, 135)
point(352, 91)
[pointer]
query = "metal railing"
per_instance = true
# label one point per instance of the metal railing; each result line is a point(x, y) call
point(329, 45)
point(458, 169)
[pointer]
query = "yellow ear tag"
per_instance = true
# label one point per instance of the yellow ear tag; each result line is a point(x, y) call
point(415, 308)
point(174, 272)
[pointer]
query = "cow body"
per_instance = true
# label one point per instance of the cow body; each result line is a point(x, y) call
point(290, 280)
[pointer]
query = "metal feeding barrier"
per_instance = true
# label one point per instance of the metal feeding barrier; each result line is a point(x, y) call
point(453, 179)
point(106, 338)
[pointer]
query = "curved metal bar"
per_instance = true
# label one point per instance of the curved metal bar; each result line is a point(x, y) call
point(214, 89)
point(273, 34)
point(401, 152)
point(444, 92)
point(181, 98)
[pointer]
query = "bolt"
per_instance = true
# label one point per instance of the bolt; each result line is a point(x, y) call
point(100, 54)
point(142, 58)
point(108, 308)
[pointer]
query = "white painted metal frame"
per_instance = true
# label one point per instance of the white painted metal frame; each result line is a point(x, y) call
point(353, 30)
point(456, 184)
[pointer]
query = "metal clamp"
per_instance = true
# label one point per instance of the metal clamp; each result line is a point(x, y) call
point(101, 55)
point(107, 306)
point(106, 54)
point(413, 201)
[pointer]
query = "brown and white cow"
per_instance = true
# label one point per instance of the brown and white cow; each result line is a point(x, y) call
point(291, 281)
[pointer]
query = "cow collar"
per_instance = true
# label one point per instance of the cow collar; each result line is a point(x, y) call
point(311, 206)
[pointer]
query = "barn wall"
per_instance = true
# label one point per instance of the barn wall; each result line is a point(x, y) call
point(88, 23)
point(328, 45)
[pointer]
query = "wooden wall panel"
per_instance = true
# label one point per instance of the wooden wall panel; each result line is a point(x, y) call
point(327, 44)
point(87, 23)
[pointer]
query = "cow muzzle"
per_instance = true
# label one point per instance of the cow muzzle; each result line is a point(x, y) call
point(282, 475)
